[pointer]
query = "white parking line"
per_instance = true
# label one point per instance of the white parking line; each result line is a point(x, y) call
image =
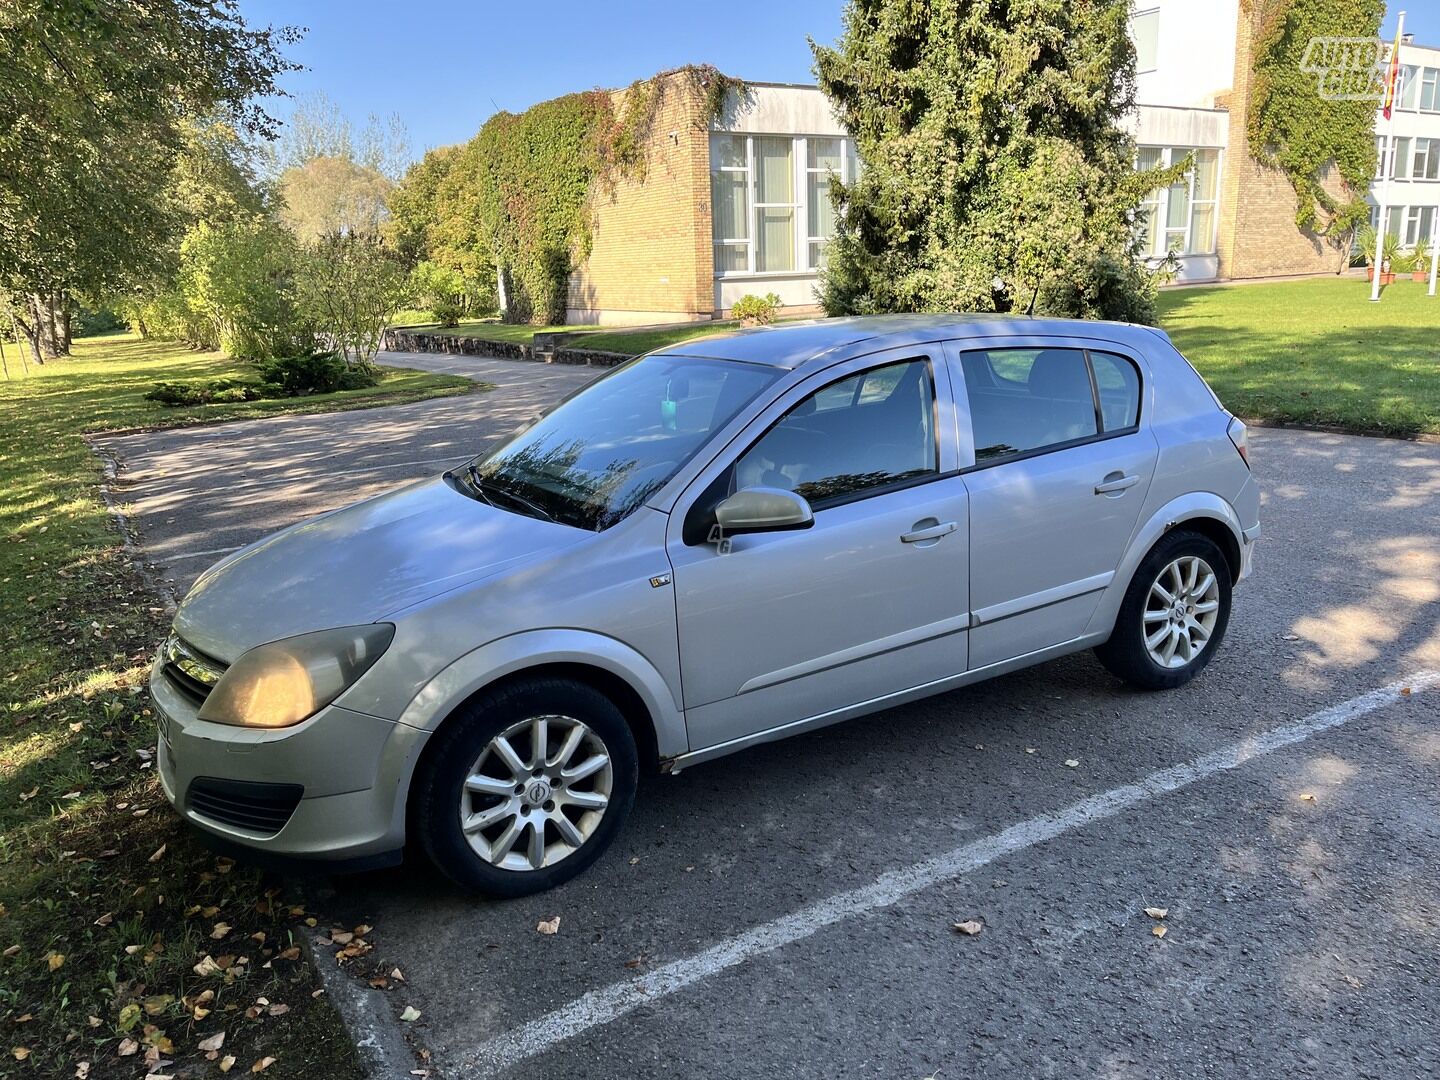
point(603, 1005)
point(166, 560)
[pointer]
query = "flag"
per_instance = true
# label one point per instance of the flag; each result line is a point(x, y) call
point(1392, 77)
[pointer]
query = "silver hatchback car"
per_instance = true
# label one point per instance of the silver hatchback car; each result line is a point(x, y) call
point(714, 546)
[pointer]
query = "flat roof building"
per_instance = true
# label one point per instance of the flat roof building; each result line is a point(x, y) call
point(736, 204)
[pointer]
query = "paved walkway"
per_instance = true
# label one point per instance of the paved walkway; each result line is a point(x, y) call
point(195, 494)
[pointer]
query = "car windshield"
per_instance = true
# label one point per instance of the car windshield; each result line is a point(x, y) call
point(603, 452)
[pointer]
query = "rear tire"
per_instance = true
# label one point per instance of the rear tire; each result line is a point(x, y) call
point(525, 788)
point(1174, 614)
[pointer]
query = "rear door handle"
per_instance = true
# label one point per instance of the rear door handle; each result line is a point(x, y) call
point(1115, 483)
point(929, 532)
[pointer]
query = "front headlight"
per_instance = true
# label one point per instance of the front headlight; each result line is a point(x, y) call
point(283, 682)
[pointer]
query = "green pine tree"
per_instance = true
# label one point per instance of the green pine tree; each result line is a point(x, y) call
point(997, 169)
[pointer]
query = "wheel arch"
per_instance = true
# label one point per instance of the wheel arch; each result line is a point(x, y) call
point(610, 666)
point(1202, 512)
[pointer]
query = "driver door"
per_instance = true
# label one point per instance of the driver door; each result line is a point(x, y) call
point(872, 599)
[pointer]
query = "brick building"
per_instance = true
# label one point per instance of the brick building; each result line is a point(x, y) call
point(737, 204)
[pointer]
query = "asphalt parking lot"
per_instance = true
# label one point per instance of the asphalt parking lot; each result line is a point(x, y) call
point(787, 912)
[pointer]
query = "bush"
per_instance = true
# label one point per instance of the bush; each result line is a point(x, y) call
point(756, 310)
point(216, 391)
point(88, 323)
point(315, 373)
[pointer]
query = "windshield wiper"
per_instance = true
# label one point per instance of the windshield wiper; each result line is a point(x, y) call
point(486, 487)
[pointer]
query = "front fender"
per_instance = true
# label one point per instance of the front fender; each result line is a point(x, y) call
point(535, 648)
point(1188, 507)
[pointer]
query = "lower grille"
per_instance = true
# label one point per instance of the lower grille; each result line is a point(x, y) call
point(244, 804)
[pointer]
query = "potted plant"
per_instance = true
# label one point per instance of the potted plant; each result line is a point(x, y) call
point(1366, 239)
point(1420, 262)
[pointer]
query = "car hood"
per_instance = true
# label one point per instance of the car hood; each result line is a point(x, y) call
point(358, 564)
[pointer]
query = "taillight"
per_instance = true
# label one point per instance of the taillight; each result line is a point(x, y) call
point(1240, 436)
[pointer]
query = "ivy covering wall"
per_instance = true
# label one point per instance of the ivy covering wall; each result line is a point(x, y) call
point(1293, 129)
point(515, 200)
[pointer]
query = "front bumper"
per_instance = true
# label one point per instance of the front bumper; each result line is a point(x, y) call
point(353, 770)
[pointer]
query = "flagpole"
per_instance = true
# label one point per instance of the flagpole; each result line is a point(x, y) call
point(1434, 249)
point(1388, 163)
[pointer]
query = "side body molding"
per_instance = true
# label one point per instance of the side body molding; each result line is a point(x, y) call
point(1188, 507)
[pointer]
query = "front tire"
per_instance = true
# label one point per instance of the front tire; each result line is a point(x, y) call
point(526, 788)
point(1174, 614)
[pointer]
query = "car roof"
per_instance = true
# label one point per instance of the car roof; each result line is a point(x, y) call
point(793, 345)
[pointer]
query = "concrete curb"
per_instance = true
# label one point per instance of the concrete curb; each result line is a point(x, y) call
point(110, 475)
point(379, 1040)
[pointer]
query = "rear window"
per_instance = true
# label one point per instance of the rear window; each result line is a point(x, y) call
point(1027, 400)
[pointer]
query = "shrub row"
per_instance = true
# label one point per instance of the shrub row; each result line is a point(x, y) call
point(290, 376)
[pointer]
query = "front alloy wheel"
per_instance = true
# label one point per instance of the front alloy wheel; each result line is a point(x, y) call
point(525, 787)
point(536, 793)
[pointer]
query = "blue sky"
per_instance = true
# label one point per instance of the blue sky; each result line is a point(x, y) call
point(446, 65)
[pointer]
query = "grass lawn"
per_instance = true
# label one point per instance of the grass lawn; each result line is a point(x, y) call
point(1316, 351)
point(106, 905)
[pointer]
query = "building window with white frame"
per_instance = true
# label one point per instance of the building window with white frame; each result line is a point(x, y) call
point(1419, 223)
point(1145, 33)
point(770, 199)
point(1427, 160)
point(1180, 219)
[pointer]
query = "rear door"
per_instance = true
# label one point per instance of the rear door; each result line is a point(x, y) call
point(1059, 463)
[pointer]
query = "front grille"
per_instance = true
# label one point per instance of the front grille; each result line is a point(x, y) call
point(189, 670)
point(244, 804)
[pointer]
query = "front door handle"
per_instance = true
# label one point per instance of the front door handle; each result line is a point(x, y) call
point(929, 532)
point(1115, 483)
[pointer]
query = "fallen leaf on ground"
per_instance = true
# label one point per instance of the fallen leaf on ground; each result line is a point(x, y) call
point(1309, 796)
point(219, 931)
point(55, 961)
point(263, 1064)
point(1157, 912)
point(227, 1063)
point(410, 1013)
point(970, 927)
point(206, 966)
point(82, 1070)
point(159, 853)
point(396, 973)
point(128, 1047)
point(214, 1042)
point(21, 1052)
point(1405, 691)
point(105, 920)
point(1029, 749)
point(292, 953)
point(549, 926)
point(1158, 931)
point(341, 937)
point(11, 951)
point(1071, 763)
point(279, 1009)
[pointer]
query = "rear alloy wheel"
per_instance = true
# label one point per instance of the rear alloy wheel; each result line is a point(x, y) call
point(1174, 614)
point(526, 788)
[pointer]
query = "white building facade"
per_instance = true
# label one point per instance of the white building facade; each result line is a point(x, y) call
point(1408, 148)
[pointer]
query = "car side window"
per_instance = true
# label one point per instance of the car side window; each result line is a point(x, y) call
point(1118, 382)
point(862, 433)
point(1027, 399)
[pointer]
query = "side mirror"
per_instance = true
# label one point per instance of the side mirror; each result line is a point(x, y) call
point(763, 509)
